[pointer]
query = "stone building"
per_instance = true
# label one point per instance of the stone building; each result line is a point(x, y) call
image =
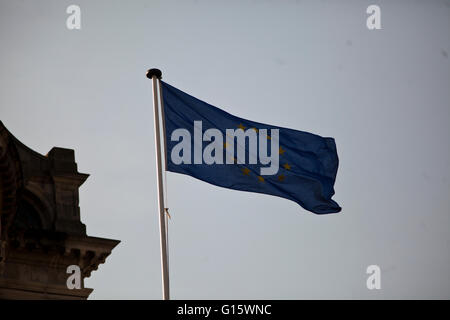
point(41, 234)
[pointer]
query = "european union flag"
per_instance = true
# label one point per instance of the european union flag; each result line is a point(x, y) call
point(212, 145)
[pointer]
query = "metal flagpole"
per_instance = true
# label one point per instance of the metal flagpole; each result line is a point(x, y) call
point(155, 75)
point(166, 198)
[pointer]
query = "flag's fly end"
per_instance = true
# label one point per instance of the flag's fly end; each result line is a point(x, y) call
point(154, 72)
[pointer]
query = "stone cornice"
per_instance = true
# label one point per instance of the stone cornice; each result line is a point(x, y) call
point(41, 233)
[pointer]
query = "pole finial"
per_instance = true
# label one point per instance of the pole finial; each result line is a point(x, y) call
point(154, 72)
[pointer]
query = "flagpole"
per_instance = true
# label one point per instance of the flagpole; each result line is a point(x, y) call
point(166, 202)
point(155, 75)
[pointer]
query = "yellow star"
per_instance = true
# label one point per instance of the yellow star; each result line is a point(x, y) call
point(246, 171)
point(225, 145)
point(281, 177)
point(269, 137)
point(255, 129)
point(261, 179)
point(241, 126)
point(281, 151)
point(287, 166)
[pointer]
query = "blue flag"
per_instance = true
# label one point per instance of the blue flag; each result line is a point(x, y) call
point(212, 145)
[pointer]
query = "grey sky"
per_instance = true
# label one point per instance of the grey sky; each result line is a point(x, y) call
point(310, 65)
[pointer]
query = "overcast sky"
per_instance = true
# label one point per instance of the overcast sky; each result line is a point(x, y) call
point(310, 65)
